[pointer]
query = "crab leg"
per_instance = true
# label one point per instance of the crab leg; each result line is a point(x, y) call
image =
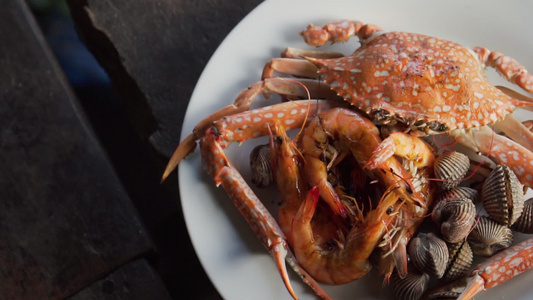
point(257, 122)
point(299, 53)
point(508, 67)
point(235, 129)
point(300, 88)
point(499, 148)
point(517, 131)
point(516, 95)
point(499, 268)
point(256, 214)
point(292, 62)
point(295, 66)
point(187, 146)
point(292, 115)
point(241, 104)
point(513, 128)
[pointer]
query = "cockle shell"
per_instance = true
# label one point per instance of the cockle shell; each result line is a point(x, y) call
point(502, 195)
point(410, 287)
point(455, 218)
point(429, 254)
point(524, 223)
point(444, 295)
point(459, 192)
point(488, 237)
point(460, 260)
point(450, 291)
point(451, 167)
point(262, 175)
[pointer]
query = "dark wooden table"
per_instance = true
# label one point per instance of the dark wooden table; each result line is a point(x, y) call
point(82, 212)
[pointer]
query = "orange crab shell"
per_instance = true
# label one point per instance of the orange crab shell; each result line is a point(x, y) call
point(418, 78)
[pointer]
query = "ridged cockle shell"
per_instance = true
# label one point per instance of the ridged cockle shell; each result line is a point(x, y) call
point(503, 195)
point(460, 260)
point(459, 192)
point(524, 224)
point(451, 167)
point(488, 237)
point(429, 254)
point(450, 291)
point(410, 287)
point(262, 175)
point(455, 218)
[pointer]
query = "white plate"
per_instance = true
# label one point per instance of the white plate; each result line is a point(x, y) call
point(235, 261)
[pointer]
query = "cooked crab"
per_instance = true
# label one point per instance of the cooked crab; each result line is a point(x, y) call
point(420, 84)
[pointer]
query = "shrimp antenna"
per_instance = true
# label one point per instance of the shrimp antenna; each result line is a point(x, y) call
point(476, 168)
point(408, 182)
point(308, 104)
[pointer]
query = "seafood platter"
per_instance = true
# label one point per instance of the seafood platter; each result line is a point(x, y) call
point(381, 150)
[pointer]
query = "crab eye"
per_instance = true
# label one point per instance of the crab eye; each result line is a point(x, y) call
point(436, 126)
point(390, 210)
point(409, 190)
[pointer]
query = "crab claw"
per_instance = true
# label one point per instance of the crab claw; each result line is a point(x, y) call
point(339, 31)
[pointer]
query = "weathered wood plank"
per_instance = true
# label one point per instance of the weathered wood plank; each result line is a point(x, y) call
point(135, 280)
point(65, 219)
point(156, 50)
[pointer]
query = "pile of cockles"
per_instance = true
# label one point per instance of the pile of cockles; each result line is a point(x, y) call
point(466, 222)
